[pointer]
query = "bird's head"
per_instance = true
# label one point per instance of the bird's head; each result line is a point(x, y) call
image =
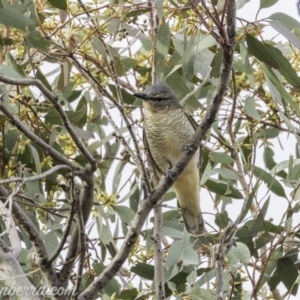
point(158, 97)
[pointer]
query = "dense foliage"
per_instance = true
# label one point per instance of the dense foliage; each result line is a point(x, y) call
point(90, 57)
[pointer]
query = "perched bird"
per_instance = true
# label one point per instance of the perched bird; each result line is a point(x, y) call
point(168, 127)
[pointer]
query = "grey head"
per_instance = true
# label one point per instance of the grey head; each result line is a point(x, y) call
point(158, 97)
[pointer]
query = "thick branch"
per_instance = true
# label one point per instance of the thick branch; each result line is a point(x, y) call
point(35, 238)
point(12, 276)
point(146, 205)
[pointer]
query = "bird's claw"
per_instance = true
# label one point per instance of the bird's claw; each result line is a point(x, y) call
point(169, 171)
point(189, 147)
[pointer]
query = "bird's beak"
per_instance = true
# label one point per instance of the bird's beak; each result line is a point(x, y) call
point(141, 96)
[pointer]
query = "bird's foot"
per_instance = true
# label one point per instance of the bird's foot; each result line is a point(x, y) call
point(169, 171)
point(189, 147)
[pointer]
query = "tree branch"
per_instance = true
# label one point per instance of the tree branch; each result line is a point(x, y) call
point(156, 195)
point(54, 100)
point(35, 238)
point(227, 240)
point(86, 201)
point(35, 139)
point(12, 276)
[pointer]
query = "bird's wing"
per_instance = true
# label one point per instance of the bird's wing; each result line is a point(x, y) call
point(191, 119)
point(195, 126)
point(156, 170)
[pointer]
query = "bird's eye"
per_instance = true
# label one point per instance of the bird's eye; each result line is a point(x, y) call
point(158, 99)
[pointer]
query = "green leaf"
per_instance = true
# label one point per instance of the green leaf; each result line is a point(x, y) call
point(144, 270)
point(118, 66)
point(271, 182)
point(286, 20)
point(175, 82)
point(74, 116)
point(15, 65)
point(222, 158)
point(117, 176)
point(216, 65)
point(128, 62)
point(130, 294)
point(261, 52)
point(162, 49)
point(288, 273)
point(190, 256)
point(174, 254)
point(246, 64)
point(61, 4)
point(285, 67)
point(272, 165)
point(277, 87)
point(221, 188)
point(126, 214)
point(34, 39)
point(11, 16)
point(240, 3)
point(271, 265)
point(31, 187)
point(274, 58)
point(35, 156)
point(51, 242)
point(247, 204)
point(264, 209)
point(267, 133)
point(127, 98)
point(225, 173)
point(279, 27)
point(43, 79)
point(11, 72)
point(5, 41)
point(221, 219)
point(172, 232)
point(266, 3)
point(10, 141)
point(251, 110)
point(240, 252)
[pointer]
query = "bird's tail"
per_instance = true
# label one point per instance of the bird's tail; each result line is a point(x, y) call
point(194, 224)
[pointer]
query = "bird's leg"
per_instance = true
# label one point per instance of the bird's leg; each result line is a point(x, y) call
point(189, 147)
point(169, 171)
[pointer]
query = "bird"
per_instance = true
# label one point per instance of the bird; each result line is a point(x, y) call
point(167, 129)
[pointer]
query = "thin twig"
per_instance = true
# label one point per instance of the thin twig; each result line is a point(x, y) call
point(156, 195)
point(81, 243)
point(74, 203)
point(196, 90)
point(227, 240)
point(36, 177)
point(158, 217)
point(137, 157)
point(54, 100)
point(36, 139)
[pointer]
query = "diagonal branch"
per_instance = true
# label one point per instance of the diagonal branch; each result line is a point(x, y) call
point(35, 139)
point(35, 238)
point(54, 100)
point(156, 195)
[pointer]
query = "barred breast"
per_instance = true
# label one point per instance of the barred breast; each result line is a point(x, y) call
point(167, 133)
